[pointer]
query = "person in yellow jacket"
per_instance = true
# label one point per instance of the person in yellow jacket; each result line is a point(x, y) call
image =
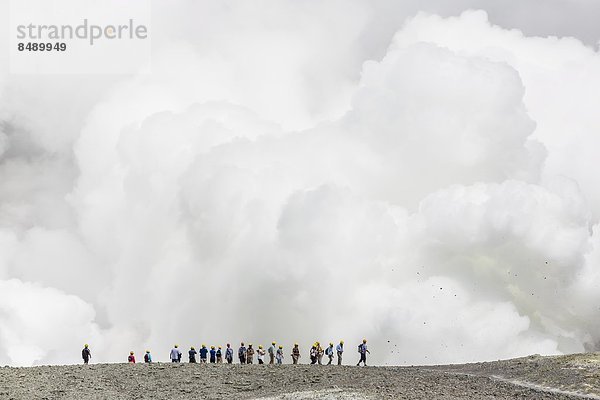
point(320, 353)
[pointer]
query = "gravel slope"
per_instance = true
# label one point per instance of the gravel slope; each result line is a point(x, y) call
point(196, 381)
point(575, 373)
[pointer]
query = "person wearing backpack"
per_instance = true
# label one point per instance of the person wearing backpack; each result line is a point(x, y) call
point(340, 351)
point(86, 354)
point(229, 354)
point(175, 354)
point(131, 358)
point(329, 353)
point(147, 357)
point(242, 353)
point(362, 349)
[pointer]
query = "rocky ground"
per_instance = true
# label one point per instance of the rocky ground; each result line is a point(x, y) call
point(525, 378)
point(575, 373)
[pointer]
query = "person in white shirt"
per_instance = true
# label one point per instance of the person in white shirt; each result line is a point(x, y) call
point(175, 355)
point(261, 354)
point(329, 353)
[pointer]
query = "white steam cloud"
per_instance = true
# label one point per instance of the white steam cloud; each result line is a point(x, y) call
point(440, 200)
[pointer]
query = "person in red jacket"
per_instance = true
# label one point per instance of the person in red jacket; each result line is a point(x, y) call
point(131, 358)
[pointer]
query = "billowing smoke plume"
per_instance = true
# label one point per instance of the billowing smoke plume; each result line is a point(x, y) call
point(439, 200)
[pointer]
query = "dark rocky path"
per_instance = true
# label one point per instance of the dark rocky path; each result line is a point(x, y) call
point(184, 381)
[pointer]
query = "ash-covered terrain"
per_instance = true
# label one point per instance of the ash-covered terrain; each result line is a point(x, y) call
point(534, 377)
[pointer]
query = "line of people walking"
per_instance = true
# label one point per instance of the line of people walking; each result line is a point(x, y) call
point(216, 355)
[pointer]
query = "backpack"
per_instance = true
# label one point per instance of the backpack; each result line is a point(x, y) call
point(146, 357)
point(360, 348)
